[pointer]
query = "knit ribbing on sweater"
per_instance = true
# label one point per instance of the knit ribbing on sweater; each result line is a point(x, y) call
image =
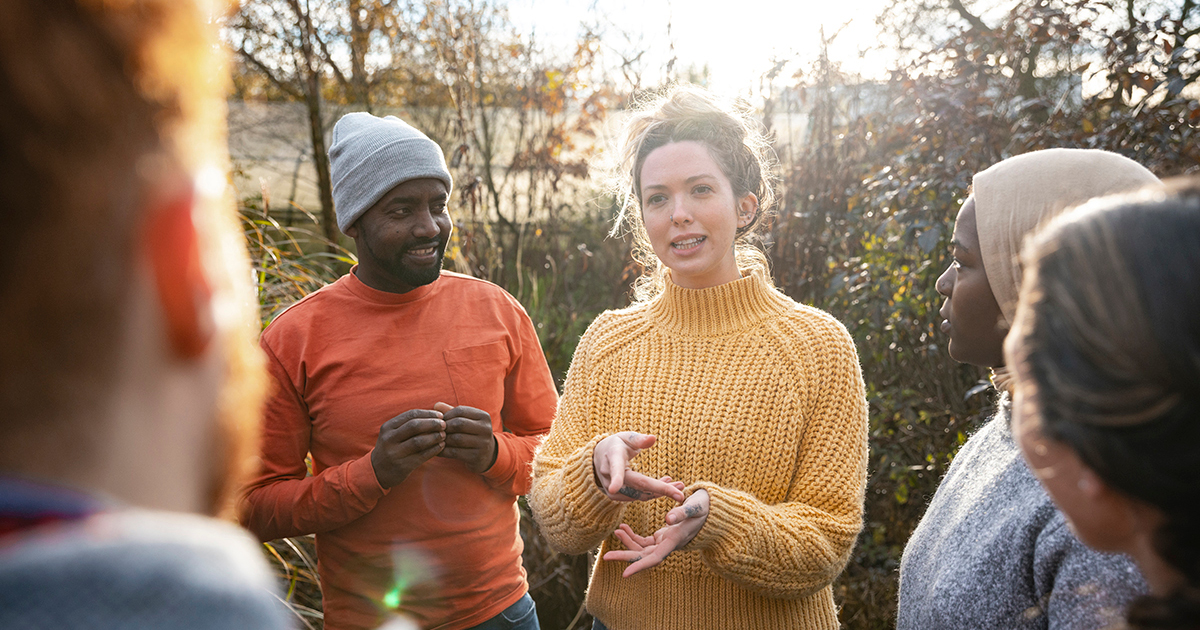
point(754, 398)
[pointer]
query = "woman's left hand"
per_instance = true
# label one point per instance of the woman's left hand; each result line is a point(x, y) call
point(683, 523)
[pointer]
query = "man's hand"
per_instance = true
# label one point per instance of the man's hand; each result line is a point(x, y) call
point(405, 442)
point(469, 436)
point(683, 523)
point(610, 463)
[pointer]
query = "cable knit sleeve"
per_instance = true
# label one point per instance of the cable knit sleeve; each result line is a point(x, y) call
point(573, 512)
point(794, 548)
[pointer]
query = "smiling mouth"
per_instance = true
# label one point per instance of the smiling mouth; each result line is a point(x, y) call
point(689, 243)
point(427, 254)
point(423, 251)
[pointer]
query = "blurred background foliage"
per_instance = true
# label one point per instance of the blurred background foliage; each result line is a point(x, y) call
point(872, 174)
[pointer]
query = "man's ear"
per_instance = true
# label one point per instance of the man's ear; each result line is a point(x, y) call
point(183, 292)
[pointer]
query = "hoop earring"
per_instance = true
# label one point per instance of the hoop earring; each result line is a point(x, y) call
point(749, 224)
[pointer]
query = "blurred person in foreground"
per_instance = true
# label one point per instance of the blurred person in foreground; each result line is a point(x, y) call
point(129, 382)
point(1106, 353)
point(991, 550)
point(420, 395)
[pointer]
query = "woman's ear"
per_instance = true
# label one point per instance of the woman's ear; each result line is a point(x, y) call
point(173, 255)
point(1090, 485)
point(747, 210)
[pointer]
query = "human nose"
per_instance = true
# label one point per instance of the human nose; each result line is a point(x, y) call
point(680, 214)
point(945, 282)
point(426, 226)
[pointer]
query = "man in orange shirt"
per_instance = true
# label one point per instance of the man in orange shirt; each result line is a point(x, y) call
point(420, 395)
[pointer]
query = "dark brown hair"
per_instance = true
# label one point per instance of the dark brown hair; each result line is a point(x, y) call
point(1107, 346)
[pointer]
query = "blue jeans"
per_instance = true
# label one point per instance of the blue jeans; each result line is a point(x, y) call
point(520, 616)
point(598, 625)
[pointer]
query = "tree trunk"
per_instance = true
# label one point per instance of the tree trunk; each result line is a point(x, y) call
point(321, 158)
point(316, 127)
point(359, 42)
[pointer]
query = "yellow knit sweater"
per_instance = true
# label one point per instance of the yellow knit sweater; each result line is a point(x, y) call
point(754, 398)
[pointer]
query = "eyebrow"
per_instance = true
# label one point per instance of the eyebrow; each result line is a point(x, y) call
point(686, 181)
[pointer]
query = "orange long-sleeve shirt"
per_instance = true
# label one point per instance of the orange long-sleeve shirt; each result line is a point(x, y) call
point(347, 358)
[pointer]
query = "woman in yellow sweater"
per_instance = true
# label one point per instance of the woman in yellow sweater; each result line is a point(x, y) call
point(711, 438)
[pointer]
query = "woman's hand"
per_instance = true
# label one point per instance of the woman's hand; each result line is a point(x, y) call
point(683, 523)
point(610, 463)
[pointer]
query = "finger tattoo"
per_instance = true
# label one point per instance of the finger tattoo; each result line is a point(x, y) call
point(631, 492)
point(635, 560)
point(692, 511)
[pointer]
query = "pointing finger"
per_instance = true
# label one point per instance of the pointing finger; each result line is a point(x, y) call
point(654, 487)
point(616, 472)
point(639, 440)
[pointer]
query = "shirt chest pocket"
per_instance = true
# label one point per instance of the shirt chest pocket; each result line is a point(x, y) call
point(477, 374)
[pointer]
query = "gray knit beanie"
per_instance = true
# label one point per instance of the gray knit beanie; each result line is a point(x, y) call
point(371, 155)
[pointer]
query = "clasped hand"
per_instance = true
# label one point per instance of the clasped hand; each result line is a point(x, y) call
point(611, 464)
point(417, 435)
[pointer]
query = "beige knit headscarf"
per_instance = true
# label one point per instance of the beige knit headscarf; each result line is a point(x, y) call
point(1018, 195)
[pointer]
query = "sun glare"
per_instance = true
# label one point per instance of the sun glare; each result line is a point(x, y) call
point(734, 44)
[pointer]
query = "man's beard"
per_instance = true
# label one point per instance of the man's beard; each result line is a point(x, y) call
point(413, 276)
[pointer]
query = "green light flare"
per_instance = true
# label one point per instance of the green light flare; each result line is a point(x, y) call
point(392, 598)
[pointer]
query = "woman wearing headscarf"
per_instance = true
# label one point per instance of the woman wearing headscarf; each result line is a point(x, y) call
point(992, 551)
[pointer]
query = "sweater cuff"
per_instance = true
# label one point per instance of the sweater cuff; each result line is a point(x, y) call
point(500, 470)
point(363, 482)
point(722, 518)
point(584, 498)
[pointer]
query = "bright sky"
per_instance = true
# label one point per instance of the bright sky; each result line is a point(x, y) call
point(736, 39)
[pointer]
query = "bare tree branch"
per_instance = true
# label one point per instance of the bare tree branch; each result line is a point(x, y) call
point(328, 59)
point(971, 18)
point(262, 67)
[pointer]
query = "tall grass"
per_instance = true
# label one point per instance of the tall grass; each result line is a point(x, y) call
point(290, 259)
point(295, 562)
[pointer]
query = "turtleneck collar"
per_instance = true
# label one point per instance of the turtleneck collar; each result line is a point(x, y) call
point(358, 288)
point(720, 310)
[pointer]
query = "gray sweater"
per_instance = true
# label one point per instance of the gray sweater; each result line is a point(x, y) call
point(992, 551)
point(137, 570)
